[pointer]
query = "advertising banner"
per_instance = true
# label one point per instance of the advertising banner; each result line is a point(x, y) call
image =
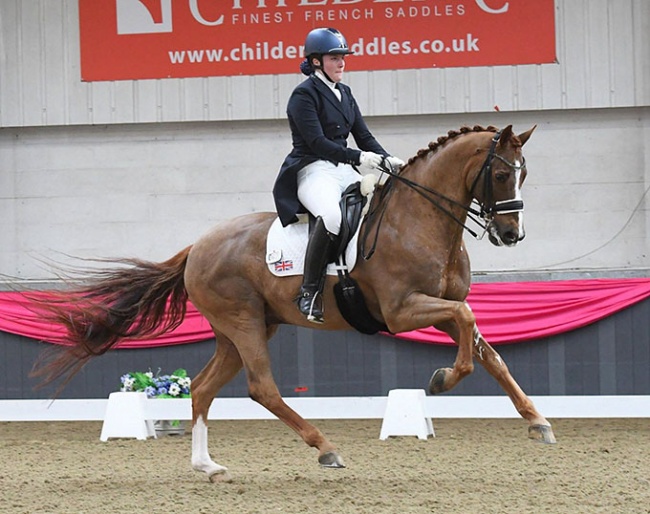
point(147, 39)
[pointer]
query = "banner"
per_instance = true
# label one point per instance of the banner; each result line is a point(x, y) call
point(149, 39)
point(508, 312)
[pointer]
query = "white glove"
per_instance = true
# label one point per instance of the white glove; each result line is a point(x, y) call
point(370, 160)
point(395, 163)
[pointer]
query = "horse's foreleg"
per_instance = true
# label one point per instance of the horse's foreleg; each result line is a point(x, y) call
point(539, 428)
point(455, 318)
point(221, 368)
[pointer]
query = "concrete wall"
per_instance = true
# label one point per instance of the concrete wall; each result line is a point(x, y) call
point(142, 168)
point(147, 190)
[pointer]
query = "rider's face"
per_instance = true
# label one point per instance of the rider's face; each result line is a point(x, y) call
point(333, 66)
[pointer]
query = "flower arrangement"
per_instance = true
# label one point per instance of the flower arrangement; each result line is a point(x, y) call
point(176, 385)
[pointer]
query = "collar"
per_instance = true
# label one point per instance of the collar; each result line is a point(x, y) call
point(329, 83)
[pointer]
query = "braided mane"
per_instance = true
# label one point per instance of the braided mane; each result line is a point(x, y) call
point(452, 134)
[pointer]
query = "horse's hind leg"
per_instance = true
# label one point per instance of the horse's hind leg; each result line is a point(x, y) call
point(221, 369)
point(539, 428)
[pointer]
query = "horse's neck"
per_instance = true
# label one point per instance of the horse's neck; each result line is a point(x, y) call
point(421, 242)
point(428, 241)
point(444, 173)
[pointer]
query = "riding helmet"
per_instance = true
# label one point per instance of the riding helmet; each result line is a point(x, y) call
point(326, 41)
point(320, 42)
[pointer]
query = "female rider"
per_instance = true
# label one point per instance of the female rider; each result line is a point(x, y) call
point(322, 114)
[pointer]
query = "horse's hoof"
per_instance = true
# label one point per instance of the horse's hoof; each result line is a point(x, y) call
point(541, 433)
point(331, 460)
point(220, 477)
point(437, 382)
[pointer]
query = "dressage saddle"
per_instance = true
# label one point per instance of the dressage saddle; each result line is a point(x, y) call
point(348, 294)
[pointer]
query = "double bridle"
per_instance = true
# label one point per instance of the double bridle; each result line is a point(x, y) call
point(482, 216)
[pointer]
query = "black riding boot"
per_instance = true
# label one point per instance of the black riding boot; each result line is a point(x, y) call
point(319, 247)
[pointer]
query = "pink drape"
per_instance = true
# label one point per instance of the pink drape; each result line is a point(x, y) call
point(506, 312)
point(521, 311)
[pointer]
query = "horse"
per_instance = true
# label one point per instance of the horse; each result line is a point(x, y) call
point(416, 275)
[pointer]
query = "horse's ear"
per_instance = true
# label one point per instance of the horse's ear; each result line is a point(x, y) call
point(506, 135)
point(525, 135)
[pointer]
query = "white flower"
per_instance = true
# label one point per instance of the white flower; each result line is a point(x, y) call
point(149, 374)
point(127, 385)
point(185, 382)
point(174, 389)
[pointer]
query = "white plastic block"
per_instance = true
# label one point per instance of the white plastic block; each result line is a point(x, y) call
point(125, 417)
point(405, 415)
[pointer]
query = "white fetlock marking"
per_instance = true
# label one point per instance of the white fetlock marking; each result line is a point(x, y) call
point(480, 347)
point(477, 342)
point(201, 460)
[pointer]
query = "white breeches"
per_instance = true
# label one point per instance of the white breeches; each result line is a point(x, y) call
point(320, 185)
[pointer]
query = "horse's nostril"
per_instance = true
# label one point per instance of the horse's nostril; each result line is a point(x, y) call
point(510, 237)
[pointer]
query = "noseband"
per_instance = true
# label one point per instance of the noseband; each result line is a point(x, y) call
point(488, 208)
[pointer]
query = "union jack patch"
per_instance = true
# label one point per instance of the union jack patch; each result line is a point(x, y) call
point(283, 266)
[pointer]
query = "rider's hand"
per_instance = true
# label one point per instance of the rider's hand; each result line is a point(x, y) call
point(370, 160)
point(395, 163)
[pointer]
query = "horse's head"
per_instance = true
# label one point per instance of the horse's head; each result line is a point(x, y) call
point(497, 187)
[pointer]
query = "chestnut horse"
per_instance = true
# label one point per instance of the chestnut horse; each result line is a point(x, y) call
point(418, 276)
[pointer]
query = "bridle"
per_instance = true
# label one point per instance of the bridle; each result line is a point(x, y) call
point(488, 208)
point(482, 216)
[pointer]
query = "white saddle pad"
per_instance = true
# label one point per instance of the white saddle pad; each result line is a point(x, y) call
point(286, 247)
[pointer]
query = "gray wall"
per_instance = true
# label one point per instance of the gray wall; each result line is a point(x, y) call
point(610, 357)
point(149, 190)
point(143, 168)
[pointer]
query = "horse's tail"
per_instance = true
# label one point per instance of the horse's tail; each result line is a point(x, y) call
point(138, 300)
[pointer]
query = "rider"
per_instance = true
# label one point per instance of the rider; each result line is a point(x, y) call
point(322, 114)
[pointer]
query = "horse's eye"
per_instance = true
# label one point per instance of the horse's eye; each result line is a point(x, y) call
point(501, 176)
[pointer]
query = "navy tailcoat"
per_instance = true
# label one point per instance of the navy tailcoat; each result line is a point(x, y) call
point(320, 125)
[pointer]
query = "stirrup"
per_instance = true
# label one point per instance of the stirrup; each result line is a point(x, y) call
point(308, 306)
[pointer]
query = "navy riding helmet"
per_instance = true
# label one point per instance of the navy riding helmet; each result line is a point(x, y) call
point(320, 42)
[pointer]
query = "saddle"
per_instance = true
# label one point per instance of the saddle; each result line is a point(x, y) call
point(348, 294)
point(285, 252)
point(352, 203)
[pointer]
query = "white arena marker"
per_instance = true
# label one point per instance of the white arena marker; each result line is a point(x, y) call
point(125, 417)
point(405, 415)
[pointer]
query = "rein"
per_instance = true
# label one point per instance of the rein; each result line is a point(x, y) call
point(482, 217)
